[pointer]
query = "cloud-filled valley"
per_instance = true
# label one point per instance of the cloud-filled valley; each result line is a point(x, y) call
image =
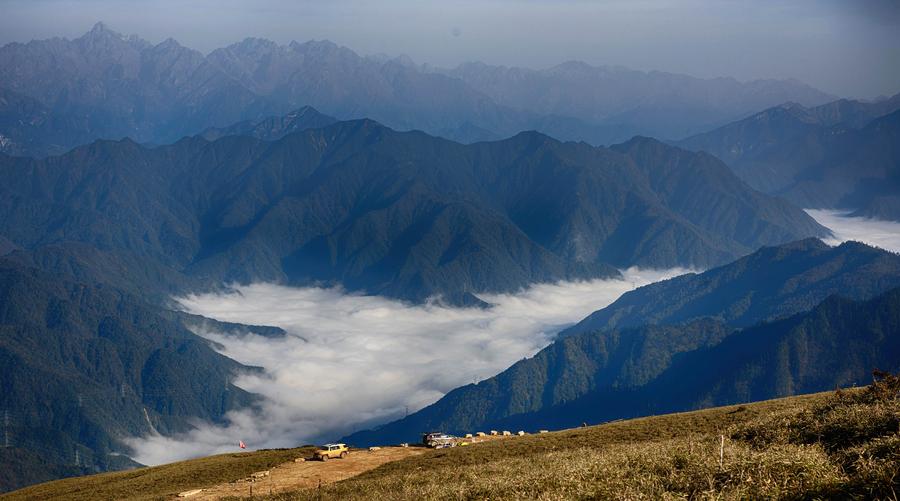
point(883, 234)
point(231, 234)
point(350, 361)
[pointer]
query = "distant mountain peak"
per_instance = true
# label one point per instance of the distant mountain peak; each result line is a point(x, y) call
point(476, 64)
point(533, 136)
point(806, 245)
point(791, 105)
point(575, 68)
point(303, 110)
point(315, 44)
point(274, 127)
point(642, 140)
point(170, 42)
point(574, 64)
point(102, 30)
point(101, 36)
point(255, 43)
point(788, 110)
point(100, 27)
point(403, 60)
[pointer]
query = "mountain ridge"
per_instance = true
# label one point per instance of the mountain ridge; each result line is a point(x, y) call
point(771, 283)
point(597, 376)
point(567, 210)
point(839, 155)
point(114, 86)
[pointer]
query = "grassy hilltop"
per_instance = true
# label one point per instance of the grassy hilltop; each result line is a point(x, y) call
point(842, 444)
point(159, 482)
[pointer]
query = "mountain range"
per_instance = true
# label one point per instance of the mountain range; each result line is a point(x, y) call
point(841, 155)
point(96, 241)
point(694, 357)
point(58, 93)
point(621, 102)
point(133, 172)
point(397, 213)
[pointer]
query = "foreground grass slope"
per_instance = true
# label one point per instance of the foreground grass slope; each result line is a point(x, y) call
point(835, 445)
point(843, 444)
point(160, 482)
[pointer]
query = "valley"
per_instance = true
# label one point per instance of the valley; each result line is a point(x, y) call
point(461, 346)
point(242, 230)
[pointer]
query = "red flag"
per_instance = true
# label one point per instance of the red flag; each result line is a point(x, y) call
point(241, 443)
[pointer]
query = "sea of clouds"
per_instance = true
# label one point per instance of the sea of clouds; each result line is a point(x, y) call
point(352, 361)
point(875, 232)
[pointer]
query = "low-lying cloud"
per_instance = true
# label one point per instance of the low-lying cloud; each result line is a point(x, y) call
point(351, 361)
point(883, 234)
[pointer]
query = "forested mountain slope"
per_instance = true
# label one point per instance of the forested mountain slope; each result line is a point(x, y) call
point(596, 376)
point(771, 283)
point(85, 365)
point(841, 155)
point(403, 214)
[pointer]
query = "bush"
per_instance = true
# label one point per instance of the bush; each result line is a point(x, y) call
point(858, 429)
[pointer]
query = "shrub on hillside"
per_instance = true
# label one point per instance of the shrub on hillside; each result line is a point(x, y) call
point(859, 429)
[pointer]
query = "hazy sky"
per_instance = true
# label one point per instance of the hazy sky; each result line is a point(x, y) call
point(850, 48)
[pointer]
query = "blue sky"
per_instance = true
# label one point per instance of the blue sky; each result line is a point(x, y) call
point(849, 48)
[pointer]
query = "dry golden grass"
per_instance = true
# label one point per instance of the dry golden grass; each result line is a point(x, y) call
point(841, 445)
point(836, 445)
point(159, 482)
point(674, 468)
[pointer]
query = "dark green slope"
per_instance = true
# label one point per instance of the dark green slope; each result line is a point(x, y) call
point(403, 214)
point(696, 187)
point(85, 366)
point(599, 376)
point(837, 344)
point(840, 155)
point(564, 371)
point(771, 283)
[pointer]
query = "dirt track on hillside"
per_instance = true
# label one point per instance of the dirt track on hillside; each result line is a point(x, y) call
point(308, 474)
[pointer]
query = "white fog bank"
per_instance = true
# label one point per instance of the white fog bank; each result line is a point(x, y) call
point(884, 234)
point(350, 361)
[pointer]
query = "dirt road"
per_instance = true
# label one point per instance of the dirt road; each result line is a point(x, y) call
point(292, 476)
